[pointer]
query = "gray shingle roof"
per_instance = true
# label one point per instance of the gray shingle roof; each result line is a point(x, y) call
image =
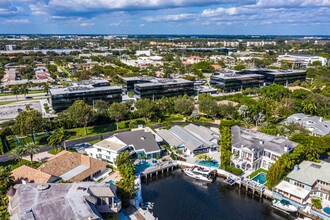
point(140, 139)
point(191, 136)
point(309, 172)
point(259, 141)
point(316, 125)
point(58, 201)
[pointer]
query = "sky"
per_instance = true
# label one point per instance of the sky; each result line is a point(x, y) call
point(223, 17)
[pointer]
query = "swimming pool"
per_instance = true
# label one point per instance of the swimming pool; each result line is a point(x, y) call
point(212, 163)
point(139, 168)
point(327, 210)
point(260, 178)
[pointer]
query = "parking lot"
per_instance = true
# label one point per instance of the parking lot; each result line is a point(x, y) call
point(8, 112)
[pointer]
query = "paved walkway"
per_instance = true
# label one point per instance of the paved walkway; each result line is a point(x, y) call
point(43, 156)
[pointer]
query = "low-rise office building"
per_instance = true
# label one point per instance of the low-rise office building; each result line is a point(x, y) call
point(253, 150)
point(129, 82)
point(301, 60)
point(62, 98)
point(159, 88)
point(231, 80)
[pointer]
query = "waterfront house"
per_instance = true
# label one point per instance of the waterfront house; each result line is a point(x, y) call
point(139, 143)
point(316, 125)
point(191, 139)
point(307, 180)
point(84, 200)
point(253, 150)
point(27, 174)
point(66, 166)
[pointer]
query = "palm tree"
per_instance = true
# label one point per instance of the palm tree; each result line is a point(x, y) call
point(31, 149)
point(46, 88)
point(58, 137)
point(24, 90)
point(15, 90)
point(17, 154)
point(6, 181)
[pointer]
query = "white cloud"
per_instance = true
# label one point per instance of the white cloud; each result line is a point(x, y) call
point(293, 3)
point(16, 21)
point(87, 24)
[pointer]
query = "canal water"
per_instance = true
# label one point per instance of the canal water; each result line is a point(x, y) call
point(178, 196)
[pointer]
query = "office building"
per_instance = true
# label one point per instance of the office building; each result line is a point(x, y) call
point(62, 98)
point(159, 88)
point(129, 82)
point(301, 60)
point(231, 80)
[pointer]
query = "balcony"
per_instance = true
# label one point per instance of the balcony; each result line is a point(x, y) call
point(116, 207)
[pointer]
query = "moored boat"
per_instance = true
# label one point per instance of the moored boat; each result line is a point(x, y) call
point(201, 173)
point(284, 205)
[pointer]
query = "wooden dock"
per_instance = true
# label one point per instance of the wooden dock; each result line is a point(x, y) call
point(158, 170)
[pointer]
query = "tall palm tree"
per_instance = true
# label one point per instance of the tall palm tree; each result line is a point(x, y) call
point(15, 90)
point(31, 149)
point(17, 154)
point(6, 181)
point(24, 90)
point(58, 137)
point(46, 88)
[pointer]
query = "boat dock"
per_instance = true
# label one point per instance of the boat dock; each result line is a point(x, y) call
point(159, 169)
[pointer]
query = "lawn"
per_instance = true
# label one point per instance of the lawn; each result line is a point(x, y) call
point(12, 141)
point(91, 130)
point(255, 173)
point(14, 164)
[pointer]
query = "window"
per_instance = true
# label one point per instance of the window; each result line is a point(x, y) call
point(99, 150)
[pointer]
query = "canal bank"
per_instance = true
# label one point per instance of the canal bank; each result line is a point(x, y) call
point(177, 196)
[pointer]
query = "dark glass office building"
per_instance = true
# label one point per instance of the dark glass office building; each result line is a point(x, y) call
point(129, 82)
point(232, 80)
point(159, 88)
point(236, 82)
point(62, 98)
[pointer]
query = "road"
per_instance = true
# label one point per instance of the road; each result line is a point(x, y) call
point(22, 97)
point(6, 157)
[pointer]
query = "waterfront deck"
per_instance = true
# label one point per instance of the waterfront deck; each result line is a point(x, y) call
point(159, 169)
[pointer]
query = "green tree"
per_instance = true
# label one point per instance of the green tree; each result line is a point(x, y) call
point(81, 114)
point(208, 105)
point(28, 122)
point(145, 107)
point(275, 92)
point(31, 149)
point(24, 90)
point(17, 154)
point(127, 171)
point(118, 112)
point(58, 137)
point(15, 90)
point(46, 88)
point(184, 105)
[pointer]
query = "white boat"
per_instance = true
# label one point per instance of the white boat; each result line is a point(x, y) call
point(284, 205)
point(201, 173)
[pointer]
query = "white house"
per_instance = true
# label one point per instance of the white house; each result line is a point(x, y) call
point(253, 150)
point(139, 143)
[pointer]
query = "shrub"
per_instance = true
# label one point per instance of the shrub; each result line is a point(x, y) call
point(317, 203)
point(234, 170)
